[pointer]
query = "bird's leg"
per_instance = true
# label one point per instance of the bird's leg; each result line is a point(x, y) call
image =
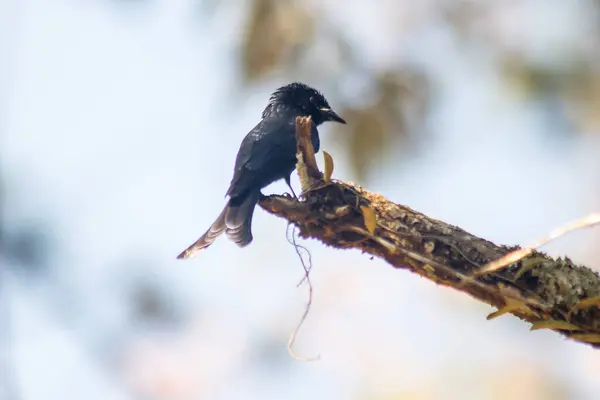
point(287, 180)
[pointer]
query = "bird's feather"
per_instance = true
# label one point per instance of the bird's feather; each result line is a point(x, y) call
point(270, 148)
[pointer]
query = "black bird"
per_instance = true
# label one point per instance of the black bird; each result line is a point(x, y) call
point(267, 154)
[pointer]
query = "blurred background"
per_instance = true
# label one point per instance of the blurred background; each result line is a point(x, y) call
point(120, 121)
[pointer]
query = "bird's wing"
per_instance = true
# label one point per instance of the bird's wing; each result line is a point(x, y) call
point(263, 152)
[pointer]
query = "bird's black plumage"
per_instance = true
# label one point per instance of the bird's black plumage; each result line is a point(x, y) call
point(267, 154)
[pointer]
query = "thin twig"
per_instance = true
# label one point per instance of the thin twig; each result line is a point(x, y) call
point(517, 255)
point(307, 268)
point(292, 240)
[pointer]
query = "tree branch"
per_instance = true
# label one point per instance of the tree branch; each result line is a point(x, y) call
point(308, 171)
point(549, 293)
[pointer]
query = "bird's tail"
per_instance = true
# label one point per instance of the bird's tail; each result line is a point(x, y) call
point(235, 220)
point(238, 220)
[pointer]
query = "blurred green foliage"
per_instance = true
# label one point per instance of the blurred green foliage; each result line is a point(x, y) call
point(280, 34)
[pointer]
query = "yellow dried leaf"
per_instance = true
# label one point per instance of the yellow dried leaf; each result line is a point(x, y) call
point(583, 304)
point(586, 337)
point(328, 160)
point(553, 324)
point(510, 306)
point(370, 218)
point(528, 264)
point(586, 303)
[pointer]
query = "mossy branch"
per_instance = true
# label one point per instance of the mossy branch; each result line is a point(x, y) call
point(549, 293)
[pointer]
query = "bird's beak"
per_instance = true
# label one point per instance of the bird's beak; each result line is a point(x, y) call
point(331, 115)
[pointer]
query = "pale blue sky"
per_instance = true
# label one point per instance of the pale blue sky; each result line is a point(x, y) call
point(120, 137)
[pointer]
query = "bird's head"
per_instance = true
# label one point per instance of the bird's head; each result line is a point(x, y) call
point(303, 100)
